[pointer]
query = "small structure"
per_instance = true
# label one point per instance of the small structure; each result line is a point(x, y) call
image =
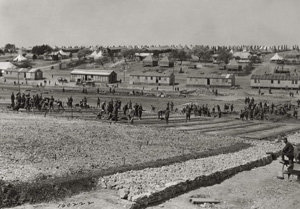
point(34, 74)
point(150, 61)
point(5, 66)
point(100, 76)
point(166, 62)
point(24, 73)
point(211, 79)
point(276, 80)
point(19, 58)
point(233, 65)
point(149, 77)
point(276, 58)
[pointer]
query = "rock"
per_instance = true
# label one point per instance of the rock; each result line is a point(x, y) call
point(123, 193)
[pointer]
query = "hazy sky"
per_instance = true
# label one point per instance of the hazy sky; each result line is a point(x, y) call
point(130, 22)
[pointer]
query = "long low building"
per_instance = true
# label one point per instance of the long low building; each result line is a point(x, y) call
point(99, 76)
point(276, 80)
point(149, 77)
point(211, 79)
point(23, 73)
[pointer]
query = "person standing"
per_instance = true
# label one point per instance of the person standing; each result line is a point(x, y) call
point(12, 97)
point(51, 103)
point(140, 111)
point(167, 115)
point(188, 114)
point(287, 151)
point(172, 105)
point(98, 102)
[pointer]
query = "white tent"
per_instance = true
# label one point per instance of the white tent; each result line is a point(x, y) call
point(276, 57)
point(93, 54)
point(63, 53)
point(99, 55)
point(19, 58)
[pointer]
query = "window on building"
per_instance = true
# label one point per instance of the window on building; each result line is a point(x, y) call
point(92, 76)
point(6, 72)
point(258, 81)
point(255, 81)
point(226, 80)
point(272, 81)
point(292, 81)
point(159, 78)
point(296, 82)
point(278, 81)
point(151, 78)
point(138, 77)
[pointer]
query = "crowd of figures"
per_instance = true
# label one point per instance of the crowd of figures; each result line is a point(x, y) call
point(110, 110)
point(37, 101)
point(259, 110)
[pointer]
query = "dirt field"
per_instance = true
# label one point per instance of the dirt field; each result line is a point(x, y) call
point(255, 189)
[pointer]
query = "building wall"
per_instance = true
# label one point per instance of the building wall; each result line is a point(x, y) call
point(213, 81)
point(96, 78)
point(268, 84)
point(151, 80)
point(13, 75)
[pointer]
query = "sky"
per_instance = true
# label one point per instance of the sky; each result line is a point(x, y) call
point(149, 22)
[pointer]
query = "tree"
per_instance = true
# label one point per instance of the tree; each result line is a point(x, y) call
point(204, 53)
point(42, 49)
point(179, 54)
point(2, 52)
point(24, 64)
point(9, 48)
point(224, 56)
point(128, 53)
point(82, 53)
point(102, 60)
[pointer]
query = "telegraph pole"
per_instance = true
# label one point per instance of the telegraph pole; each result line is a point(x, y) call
point(19, 82)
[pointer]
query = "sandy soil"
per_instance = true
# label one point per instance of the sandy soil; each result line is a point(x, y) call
point(255, 189)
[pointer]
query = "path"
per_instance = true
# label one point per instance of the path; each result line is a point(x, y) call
point(255, 189)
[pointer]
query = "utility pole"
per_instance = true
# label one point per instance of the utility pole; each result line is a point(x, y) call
point(19, 82)
point(173, 77)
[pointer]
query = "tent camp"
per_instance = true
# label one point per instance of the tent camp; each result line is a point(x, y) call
point(166, 62)
point(150, 61)
point(276, 57)
point(19, 58)
point(98, 55)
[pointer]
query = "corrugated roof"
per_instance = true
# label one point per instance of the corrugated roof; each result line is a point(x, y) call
point(149, 73)
point(209, 75)
point(91, 72)
point(276, 76)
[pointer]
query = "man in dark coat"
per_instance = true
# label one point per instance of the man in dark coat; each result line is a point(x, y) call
point(167, 115)
point(288, 151)
point(12, 97)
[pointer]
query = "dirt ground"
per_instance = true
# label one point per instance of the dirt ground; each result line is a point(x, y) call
point(255, 189)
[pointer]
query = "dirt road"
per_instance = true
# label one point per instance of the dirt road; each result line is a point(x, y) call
point(255, 189)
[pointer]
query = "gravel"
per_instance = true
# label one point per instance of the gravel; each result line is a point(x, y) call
point(153, 179)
